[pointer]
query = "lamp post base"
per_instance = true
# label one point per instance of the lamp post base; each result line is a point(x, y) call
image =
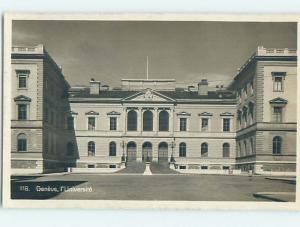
point(147, 169)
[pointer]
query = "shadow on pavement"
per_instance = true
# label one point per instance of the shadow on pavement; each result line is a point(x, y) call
point(27, 189)
point(18, 178)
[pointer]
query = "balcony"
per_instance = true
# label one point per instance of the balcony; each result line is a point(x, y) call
point(261, 51)
point(269, 52)
point(39, 49)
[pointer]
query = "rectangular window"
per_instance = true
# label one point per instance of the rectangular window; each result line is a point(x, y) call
point(22, 112)
point(226, 124)
point(277, 114)
point(22, 145)
point(278, 83)
point(204, 124)
point(183, 124)
point(70, 123)
point(113, 123)
point(204, 167)
point(91, 123)
point(22, 81)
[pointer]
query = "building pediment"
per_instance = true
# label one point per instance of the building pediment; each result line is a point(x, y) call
point(148, 95)
point(227, 114)
point(22, 98)
point(183, 113)
point(278, 101)
point(205, 114)
point(92, 113)
point(113, 113)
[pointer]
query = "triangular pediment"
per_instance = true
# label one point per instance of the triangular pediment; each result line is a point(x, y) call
point(205, 114)
point(278, 101)
point(183, 113)
point(148, 95)
point(92, 113)
point(226, 114)
point(113, 113)
point(22, 98)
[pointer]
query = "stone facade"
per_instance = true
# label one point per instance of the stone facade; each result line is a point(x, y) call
point(267, 81)
point(38, 131)
point(197, 129)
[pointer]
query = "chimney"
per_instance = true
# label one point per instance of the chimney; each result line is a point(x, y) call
point(94, 87)
point(203, 87)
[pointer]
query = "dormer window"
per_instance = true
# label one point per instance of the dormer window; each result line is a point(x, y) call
point(278, 78)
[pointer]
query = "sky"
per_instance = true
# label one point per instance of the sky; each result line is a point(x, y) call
point(109, 51)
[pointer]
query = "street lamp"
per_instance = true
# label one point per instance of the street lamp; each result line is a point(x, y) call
point(172, 145)
point(123, 144)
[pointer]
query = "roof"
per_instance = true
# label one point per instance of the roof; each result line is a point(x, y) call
point(176, 95)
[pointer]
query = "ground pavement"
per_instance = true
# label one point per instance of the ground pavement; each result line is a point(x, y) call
point(131, 186)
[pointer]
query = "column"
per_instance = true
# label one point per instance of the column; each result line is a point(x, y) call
point(140, 120)
point(125, 111)
point(138, 152)
point(155, 120)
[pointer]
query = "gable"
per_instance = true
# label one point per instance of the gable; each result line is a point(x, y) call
point(148, 95)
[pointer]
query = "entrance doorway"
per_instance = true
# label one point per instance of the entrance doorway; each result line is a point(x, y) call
point(147, 152)
point(163, 152)
point(131, 151)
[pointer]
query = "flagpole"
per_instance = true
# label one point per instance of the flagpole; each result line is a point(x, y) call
point(147, 69)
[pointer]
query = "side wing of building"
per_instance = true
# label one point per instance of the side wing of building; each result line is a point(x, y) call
point(39, 106)
point(266, 122)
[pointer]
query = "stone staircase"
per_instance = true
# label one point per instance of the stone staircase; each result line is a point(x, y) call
point(161, 168)
point(133, 167)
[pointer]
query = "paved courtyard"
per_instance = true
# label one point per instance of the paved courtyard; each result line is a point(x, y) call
point(139, 187)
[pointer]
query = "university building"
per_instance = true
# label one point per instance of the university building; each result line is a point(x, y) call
point(251, 125)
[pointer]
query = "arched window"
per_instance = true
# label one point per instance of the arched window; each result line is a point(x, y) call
point(132, 121)
point(182, 150)
point(131, 151)
point(131, 145)
point(70, 149)
point(163, 121)
point(91, 148)
point(112, 149)
point(204, 150)
point(163, 145)
point(277, 145)
point(226, 150)
point(22, 142)
point(148, 121)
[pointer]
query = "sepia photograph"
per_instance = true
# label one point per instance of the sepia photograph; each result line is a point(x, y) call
point(150, 109)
